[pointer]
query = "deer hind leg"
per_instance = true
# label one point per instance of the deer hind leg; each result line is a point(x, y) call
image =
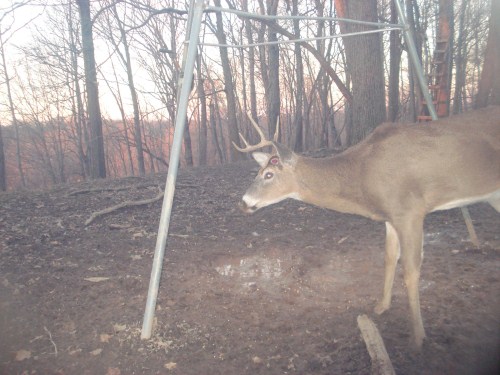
point(392, 253)
point(411, 237)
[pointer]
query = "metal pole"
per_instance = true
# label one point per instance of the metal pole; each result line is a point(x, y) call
point(415, 62)
point(193, 31)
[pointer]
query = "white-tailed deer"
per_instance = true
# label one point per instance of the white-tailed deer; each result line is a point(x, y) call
point(398, 175)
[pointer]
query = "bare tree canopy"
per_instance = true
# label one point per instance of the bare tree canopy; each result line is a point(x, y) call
point(489, 84)
point(90, 90)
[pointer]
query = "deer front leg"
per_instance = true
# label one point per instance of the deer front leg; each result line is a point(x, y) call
point(411, 237)
point(392, 253)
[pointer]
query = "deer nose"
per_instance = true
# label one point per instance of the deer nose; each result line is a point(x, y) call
point(246, 208)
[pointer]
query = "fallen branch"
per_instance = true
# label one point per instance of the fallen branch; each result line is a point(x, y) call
point(381, 363)
point(112, 189)
point(119, 206)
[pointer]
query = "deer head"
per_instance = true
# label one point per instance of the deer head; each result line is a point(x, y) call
point(276, 178)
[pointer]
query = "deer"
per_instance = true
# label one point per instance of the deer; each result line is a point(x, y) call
point(397, 175)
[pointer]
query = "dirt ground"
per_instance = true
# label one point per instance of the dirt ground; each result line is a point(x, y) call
point(277, 292)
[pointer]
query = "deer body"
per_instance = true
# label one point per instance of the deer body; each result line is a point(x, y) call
point(397, 175)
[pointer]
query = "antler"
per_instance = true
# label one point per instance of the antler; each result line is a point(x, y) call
point(263, 141)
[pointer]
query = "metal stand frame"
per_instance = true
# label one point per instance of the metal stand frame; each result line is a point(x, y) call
point(186, 79)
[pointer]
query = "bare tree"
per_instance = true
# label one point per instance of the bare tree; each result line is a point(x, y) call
point(395, 51)
point(7, 18)
point(202, 134)
point(299, 93)
point(3, 172)
point(116, 92)
point(126, 60)
point(273, 64)
point(251, 64)
point(489, 85)
point(228, 84)
point(460, 63)
point(364, 62)
point(96, 142)
point(81, 134)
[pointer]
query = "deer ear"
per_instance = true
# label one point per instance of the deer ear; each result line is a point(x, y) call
point(261, 157)
point(284, 153)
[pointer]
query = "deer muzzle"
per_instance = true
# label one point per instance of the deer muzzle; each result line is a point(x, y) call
point(246, 208)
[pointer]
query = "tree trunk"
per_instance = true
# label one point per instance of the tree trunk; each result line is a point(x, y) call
point(215, 139)
point(365, 64)
point(228, 86)
point(202, 134)
point(12, 113)
point(489, 83)
point(273, 90)
point(299, 94)
point(445, 34)
point(3, 172)
point(133, 94)
point(78, 110)
point(96, 144)
point(395, 62)
point(188, 149)
point(411, 8)
point(322, 79)
point(251, 64)
point(460, 61)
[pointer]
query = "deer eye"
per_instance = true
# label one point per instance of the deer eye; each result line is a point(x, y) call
point(268, 175)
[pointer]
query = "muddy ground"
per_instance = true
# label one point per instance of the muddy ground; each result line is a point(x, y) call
point(277, 292)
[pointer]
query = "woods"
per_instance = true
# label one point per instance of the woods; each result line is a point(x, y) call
point(89, 88)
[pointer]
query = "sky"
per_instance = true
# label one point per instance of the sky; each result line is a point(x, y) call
point(21, 25)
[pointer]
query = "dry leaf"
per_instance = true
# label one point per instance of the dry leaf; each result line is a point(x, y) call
point(342, 239)
point(170, 365)
point(119, 327)
point(22, 354)
point(256, 360)
point(164, 344)
point(104, 337)
point(96, 279)
point(113, 371)
point(76, 351)
point(96, 352)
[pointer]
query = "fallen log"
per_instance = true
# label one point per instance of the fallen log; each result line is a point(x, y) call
point(381, 363)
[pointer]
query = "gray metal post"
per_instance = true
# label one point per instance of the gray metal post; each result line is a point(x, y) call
point(193, 31)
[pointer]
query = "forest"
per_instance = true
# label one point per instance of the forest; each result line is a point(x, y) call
point(89, 96)
point(89, 88)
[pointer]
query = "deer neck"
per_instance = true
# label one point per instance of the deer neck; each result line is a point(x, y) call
point(335, 184)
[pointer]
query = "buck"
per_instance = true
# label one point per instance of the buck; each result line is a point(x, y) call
point(398, 175)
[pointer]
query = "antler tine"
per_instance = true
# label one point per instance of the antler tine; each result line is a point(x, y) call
point(262, 143)
point(277, 131)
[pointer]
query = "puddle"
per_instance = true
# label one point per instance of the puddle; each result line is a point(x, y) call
point(252, 267)
point(432, 237)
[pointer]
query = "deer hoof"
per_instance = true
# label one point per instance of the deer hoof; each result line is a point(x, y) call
point(416, 343)
point(381, 308)
point(417, 340)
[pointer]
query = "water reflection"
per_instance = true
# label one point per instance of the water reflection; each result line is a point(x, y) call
point(255, 267)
